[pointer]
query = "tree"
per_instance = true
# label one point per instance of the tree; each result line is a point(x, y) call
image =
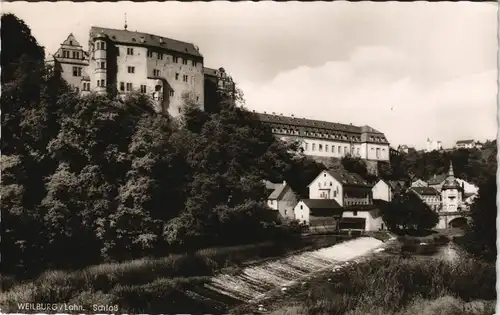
point(407, 211)
point(483, 233)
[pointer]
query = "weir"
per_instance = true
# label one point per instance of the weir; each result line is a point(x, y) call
point(254, 281)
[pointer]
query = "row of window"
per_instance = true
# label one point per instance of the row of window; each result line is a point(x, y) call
point(326, 148)
point(160, 55)
point(157, 73)
point(74, 55)
point(101, 45)
point(316, 134)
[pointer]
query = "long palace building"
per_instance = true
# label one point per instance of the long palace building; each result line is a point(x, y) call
point(330, 140)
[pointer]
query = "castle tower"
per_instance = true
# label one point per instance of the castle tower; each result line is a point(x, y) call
point(451, 192)
point(99, 57)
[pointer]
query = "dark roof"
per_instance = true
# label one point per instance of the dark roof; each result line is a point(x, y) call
point(144, 39)
point(322, 129)
point(465, 141)
point(395, 183)
point(279, 191)
point(349, 179)
point(321, 204)
point(425, 190)
point(437, 179)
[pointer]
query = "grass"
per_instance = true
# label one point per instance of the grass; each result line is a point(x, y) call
point(390, 285)
point(147, 285)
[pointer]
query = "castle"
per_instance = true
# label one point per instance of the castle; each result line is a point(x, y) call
point(123, 61)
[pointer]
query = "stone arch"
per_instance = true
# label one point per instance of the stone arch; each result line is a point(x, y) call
point(459, 222)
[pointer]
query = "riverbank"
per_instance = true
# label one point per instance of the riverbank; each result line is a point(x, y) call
point(151, 285)
point(389, 284)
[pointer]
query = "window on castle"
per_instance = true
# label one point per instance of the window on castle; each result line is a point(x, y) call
point(160, 56)
point(130, 51)
point(143, 89)
point(175, 59)
point(194, 63)
point(102, 65)
point(197, 98)
point(345, 150)
point(184, 61)
point(333, 149)
point(185, 78)
point(131, 69)
point(150, 54)
point(103, 83)
point(122, 86)
point(171, 93)
point(326, 147)
point(340, 149)
point(177, 76)
point(76, 54)
point(77, 71)
point(156, 72)
point(65, 54)
point(320, 147)
point(129, 87)
point(314, 147)
point(306, 145)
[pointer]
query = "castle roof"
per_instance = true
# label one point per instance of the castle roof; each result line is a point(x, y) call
point(145, 39)
point(465, 141)
point(323, 129)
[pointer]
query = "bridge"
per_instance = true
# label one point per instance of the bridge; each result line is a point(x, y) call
point(453, 219)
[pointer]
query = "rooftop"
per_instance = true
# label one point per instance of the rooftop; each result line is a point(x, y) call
point(144, 39)
point(465, 141)
point(324, 128)
point(321, 204)
point(349, 179)
point(425, 191)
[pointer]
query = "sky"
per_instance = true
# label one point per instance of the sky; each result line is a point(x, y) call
point(410, 70)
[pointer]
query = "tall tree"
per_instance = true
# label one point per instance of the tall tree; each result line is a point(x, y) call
point(482, 236)
point(408, 212)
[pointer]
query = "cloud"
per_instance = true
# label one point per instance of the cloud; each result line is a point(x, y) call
point(380, 86)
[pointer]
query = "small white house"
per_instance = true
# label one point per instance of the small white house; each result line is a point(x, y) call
point(361, 218)
point(314, 212)
point(283, 199)
point(343, 187)
point(382, 191)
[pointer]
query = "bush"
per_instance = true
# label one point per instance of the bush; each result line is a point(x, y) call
point(408, 286)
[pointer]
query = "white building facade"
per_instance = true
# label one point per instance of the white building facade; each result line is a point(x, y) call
point(330, 140)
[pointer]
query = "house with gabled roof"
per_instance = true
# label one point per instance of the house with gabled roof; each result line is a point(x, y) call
point(429, 195)
point(387, 189)
point(350, 192)
point(282, 200)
